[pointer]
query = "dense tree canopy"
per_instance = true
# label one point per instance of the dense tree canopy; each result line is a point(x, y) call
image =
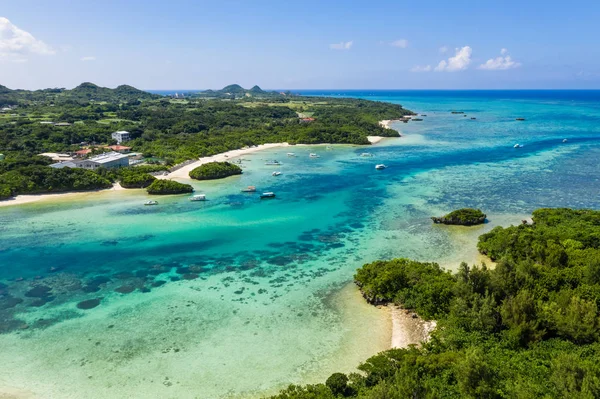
point(215, 170)
point(528, 328)
point(161, 187)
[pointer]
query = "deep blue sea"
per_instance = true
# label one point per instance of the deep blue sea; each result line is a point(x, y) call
point(236, 297)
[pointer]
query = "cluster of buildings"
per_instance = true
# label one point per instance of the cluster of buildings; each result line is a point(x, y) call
point(118, 156)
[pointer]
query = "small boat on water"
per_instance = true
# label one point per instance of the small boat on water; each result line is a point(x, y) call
point(151, 203)
point(366, 155)
point(473, 118)
point(564, 140)
point(518, 146)
point(276, 173)
point(291, 154)
point(417, 119)
point(198, 197)
point(520, 119)
point(249, 189)
point(273, 162)
point(313, 155)
point(328, 148)
point(267, 195)
point(380, 166)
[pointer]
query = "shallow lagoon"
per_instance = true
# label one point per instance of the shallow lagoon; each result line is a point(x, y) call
point(237, 297)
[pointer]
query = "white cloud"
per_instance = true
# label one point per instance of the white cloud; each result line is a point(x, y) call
point(500, 63)
point(88, 58)
point(418, 68)
point(401, 43)
point(459, 62)
point(443, 50)
point(16, 44)
point(341, 45)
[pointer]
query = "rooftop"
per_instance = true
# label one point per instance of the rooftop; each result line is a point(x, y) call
point(108, 157)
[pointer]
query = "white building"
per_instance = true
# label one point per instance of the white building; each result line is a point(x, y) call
point(107, 160)
point(121, 136)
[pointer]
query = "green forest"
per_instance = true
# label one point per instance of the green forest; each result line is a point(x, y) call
point(165, 130)
point(527, 328)
point(215, 170)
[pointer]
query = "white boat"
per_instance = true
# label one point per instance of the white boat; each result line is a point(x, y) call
point(269, 194)
point(564, 140)
point(380, 166)
point(517, 146)
point(151, 203)
point(198, 197)
point(291, 154)
point(276, 173)
point(273, 162)
point(366, 154)
point(313, 155)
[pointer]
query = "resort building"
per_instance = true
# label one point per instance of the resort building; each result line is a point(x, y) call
point(82, 153)
point(57, 157)
point(121, 136)
point(108, 160)
point(119, 148)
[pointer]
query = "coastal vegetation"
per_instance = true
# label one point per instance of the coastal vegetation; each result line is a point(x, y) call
point(528, 328)
point(136, 180)
point(162, 187)
point(167, 130)
point(463, 217)
point(215, 170)
point(31, 175)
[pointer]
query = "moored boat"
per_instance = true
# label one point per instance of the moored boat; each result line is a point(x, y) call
point(249, 189)
point(366, 154)
point(291, 154)
point(380, 166)
point(273, 162)
point(276, 173)
point(313, 155)
point(198, 197)
point(151, 203)
point(517, 146)
point(267, 195)
point(564, 140)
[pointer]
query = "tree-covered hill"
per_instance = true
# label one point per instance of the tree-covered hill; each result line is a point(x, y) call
point(529, 328)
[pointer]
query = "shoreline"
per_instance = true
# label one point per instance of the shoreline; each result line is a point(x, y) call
point(31, 198)
point(408, 328)
point(182, 173)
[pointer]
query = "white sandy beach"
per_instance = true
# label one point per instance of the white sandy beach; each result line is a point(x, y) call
point(182, 173)
point(408, 328)
point(27, 199)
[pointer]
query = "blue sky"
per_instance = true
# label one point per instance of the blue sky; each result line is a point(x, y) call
point(181, 44)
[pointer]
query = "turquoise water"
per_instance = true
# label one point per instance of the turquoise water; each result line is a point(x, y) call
point(236, 297)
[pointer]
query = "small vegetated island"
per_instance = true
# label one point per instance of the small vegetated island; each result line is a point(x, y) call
point(215, 170)
point(463, 217)
point(529, 328)
point(163, 187)
point(81, 123)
